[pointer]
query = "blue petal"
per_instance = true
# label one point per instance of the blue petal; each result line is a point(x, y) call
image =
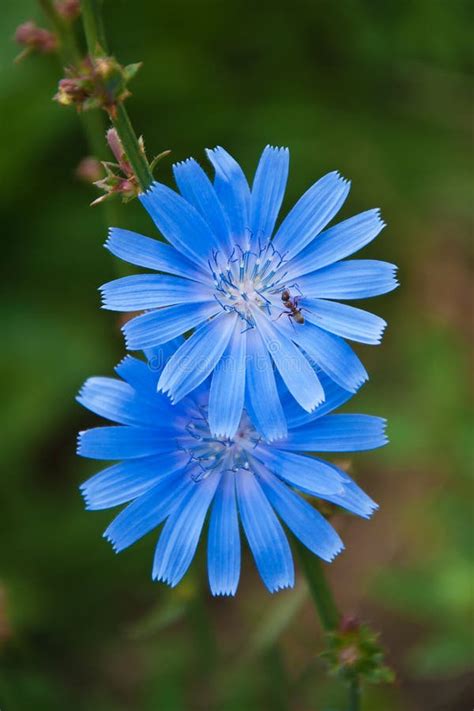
point(330, 353)
point(353, 279)
point(149, 291)
point(306, 473)
point(302, 519)
point(197, 357)
point(227, 393)
point(129, 479)
point(337, 433)
point(151, 254)
point(223, 543)
point(148, 511)
point(265, 535)
point(335, 397)
point(352, 497)
point(139, 375)
point(298, 375)
point(124, 442)
point(268, 190)
point(263, 402)
point(197, 189)
point(233, 192)
point(118, 401)
point(181, 533)
point(336, 243)
point(180, 223)
point(344, 320)
point(157, 327)
point(311, 214)
point(158, 356)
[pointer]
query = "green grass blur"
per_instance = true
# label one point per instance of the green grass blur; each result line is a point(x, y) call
point(377, 90)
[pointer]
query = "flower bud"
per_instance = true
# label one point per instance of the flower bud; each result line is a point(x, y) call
point(89, 170)
point(71, 91)
point(35, 39)
point(69, 10)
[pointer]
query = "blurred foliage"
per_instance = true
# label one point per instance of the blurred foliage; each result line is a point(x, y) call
point(378, 90)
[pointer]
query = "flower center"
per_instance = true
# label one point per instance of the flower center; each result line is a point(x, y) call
point(247, 280)
point(212, 453)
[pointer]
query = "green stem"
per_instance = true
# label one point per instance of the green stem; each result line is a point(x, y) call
point(93, 123)
point(354, 695)
point(97, 41)
point(70, 53)
point(326, 606)
point(69, 48)
point(319, 589)
point(136, 158)
point(93, 26)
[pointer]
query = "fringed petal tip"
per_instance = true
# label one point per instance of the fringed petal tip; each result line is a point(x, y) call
point(346, 182)
point(377, 212)
point(394, 275)
point(103, 296)
point(277, 149)
point(184, 162)
point(358, 383)
point(316, 403)
point(110, 539)
point(378, 340)
point(164, 578)
point(110, 232)
point(89, 506)
point(369, 511)
point(334, 553)
point(79, 442)
point(223, 592)
point(284, 585)
point(275, 436)
point(149, 191)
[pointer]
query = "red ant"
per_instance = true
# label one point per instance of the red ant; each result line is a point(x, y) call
point(292, 306)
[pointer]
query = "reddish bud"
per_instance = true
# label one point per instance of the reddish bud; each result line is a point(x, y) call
point(348, 624)
point(117, 149)
point(115, 143)
point(35, 38)
point(89, 170)
point(68, 9)
point(349, 656)
point(71, 91)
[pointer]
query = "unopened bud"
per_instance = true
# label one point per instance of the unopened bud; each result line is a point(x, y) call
point(89, 170)
point(35, 39)
point(348, 624)
point(115, 144)
point(349, 656)
point(68, 9)
point(106, 67)
point(70, 91)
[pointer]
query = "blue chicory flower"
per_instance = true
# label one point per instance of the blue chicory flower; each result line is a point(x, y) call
point(173, 469)
point(252, 295)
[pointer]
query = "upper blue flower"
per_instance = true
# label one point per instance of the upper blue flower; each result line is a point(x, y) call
point(174, 470)
point(250, 291)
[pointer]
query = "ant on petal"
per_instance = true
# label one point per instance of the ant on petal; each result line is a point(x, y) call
point(291, 304)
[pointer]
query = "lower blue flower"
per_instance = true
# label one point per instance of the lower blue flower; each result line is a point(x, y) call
point(171, 470)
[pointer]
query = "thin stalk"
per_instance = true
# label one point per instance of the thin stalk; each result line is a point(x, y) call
point(96, 40)
point(69, 47)
point(319, 589)
point(354, 695)
point(70, 53)
point(326, 607)
point(94, 26)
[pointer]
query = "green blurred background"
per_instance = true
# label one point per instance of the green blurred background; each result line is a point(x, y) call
point(378, 90)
